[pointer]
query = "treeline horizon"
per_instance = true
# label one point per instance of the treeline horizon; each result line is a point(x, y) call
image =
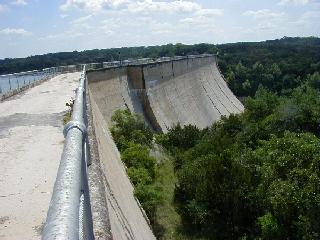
point(38, 62)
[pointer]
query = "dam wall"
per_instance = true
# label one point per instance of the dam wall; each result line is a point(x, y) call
point(112, 90)
point(186, 91)
point(189, 91)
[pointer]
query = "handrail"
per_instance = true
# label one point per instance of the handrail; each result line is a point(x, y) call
point(69, 215)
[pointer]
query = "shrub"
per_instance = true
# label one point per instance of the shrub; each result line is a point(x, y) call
point(149, 198)
point(138, 156)
point(127, 127)
point(139, 176)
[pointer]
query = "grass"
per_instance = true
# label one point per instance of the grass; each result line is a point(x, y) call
point(66, 117)
point(168, 224)
point(168, 221)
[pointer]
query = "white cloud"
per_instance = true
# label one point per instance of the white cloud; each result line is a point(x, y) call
point(311, 15)
point(202, 19)
point(63, 35)
point(194, 20)
point(64, 16)
point(19, 2)
point(136, 6)
point(308, 18)
point(294, 2)
point(93, 5)
point(3, 8)
point(263, 13)
point(81, 19)
point(15, 31)
point(209, 12)
point(147, 6)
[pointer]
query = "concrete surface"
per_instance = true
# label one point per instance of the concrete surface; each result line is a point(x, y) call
point(126, 218)
point(113, 91)
point(96, 182)
point(31, 143)
point(189, 91)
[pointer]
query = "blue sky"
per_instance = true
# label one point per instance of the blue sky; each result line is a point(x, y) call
point(31, 27)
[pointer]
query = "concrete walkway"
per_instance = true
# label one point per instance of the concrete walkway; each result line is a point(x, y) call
point(31, 143)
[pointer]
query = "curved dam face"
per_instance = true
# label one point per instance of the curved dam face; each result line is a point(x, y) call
point(188, 91)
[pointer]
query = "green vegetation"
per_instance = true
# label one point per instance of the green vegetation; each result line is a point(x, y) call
point(153, 178)
point(254, 175)
point(284, 53)
point(279, 65)
point(10, 65)
point(134, 139)
point(67, 116)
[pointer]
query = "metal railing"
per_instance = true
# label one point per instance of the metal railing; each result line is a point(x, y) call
point(16, 81)
point(69, 215)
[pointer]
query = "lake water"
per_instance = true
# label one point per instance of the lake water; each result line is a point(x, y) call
point(15, 81)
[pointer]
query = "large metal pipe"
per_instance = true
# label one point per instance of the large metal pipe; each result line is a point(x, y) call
point(63, 221)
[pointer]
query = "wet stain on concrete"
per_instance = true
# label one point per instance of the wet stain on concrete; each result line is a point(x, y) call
point(4, 219)
point(25, 119)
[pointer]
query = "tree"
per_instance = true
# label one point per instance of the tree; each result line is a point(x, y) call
point(289, 186)
point(314, 80)
point(128, 127)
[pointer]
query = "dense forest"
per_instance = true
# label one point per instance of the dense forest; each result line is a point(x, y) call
point(283, 52)
point(255, 175)
point(103, 55)
point(278, 65)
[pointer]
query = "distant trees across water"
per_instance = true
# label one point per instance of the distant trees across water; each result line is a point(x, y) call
point(279, 65)
point(9, 65)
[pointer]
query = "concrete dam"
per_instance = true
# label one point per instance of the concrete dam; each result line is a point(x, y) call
point(190, 90)
point(77, 165)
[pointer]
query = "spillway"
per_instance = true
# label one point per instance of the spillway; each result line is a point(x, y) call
point(186, 91)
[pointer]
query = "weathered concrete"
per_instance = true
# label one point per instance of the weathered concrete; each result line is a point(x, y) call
point(189, 91)
point(31, 143)
point(126, 218)
point(96, 179)
point(113, 91)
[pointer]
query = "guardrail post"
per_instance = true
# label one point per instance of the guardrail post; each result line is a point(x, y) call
point(10, 83)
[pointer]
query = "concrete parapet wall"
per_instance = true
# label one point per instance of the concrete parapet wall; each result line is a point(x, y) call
point(106, 74)
point(135, 76)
